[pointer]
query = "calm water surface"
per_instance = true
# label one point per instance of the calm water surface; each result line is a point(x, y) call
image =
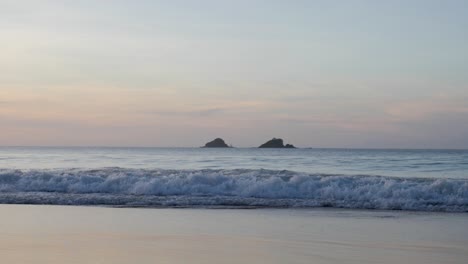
point(56, 235)
point(401, 163)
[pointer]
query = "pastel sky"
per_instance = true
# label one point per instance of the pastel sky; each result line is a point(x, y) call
point(370, 74)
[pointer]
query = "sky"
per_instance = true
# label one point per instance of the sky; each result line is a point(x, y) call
point(351, 74)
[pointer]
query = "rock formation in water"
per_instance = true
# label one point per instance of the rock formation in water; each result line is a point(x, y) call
point(276, 143)
point(217, 143)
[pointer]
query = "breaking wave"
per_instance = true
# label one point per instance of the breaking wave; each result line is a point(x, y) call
point(229, 188)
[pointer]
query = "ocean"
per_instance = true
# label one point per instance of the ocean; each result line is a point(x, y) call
point(189, 205)
point(384, 179)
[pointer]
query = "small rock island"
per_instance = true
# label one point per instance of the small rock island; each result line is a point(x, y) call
point(276, 143)
point(217, 143)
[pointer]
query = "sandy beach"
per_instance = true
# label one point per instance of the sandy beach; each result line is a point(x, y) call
point(61, 234)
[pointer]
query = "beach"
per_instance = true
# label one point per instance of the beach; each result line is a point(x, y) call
point(74, 234)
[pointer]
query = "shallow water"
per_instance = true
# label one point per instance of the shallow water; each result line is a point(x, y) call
point(56, 234)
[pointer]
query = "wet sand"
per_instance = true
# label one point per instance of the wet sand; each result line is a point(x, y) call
point(60, 234)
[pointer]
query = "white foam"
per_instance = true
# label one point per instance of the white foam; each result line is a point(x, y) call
point(242, 187)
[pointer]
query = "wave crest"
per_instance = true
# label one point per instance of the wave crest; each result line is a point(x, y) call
point(241, 187)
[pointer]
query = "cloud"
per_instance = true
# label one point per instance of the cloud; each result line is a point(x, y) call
point(423, 109)
point(192, 113)
point(228, 108)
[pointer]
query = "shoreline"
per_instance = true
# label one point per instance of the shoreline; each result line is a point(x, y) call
point(107, 235)
point(249, 208)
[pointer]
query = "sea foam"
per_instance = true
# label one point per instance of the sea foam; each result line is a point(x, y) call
point(230, 188)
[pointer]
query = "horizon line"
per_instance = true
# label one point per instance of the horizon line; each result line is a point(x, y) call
point(231, 147)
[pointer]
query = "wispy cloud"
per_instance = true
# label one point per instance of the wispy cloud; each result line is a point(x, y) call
point(5, 102)
point(422, 109)
point(227, 108)
point(193, 113)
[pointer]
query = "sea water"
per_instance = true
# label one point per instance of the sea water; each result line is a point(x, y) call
point(423, 180)
point(43, 234)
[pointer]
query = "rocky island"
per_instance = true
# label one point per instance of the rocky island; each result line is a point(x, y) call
point(217, 143)
point(276, 143)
